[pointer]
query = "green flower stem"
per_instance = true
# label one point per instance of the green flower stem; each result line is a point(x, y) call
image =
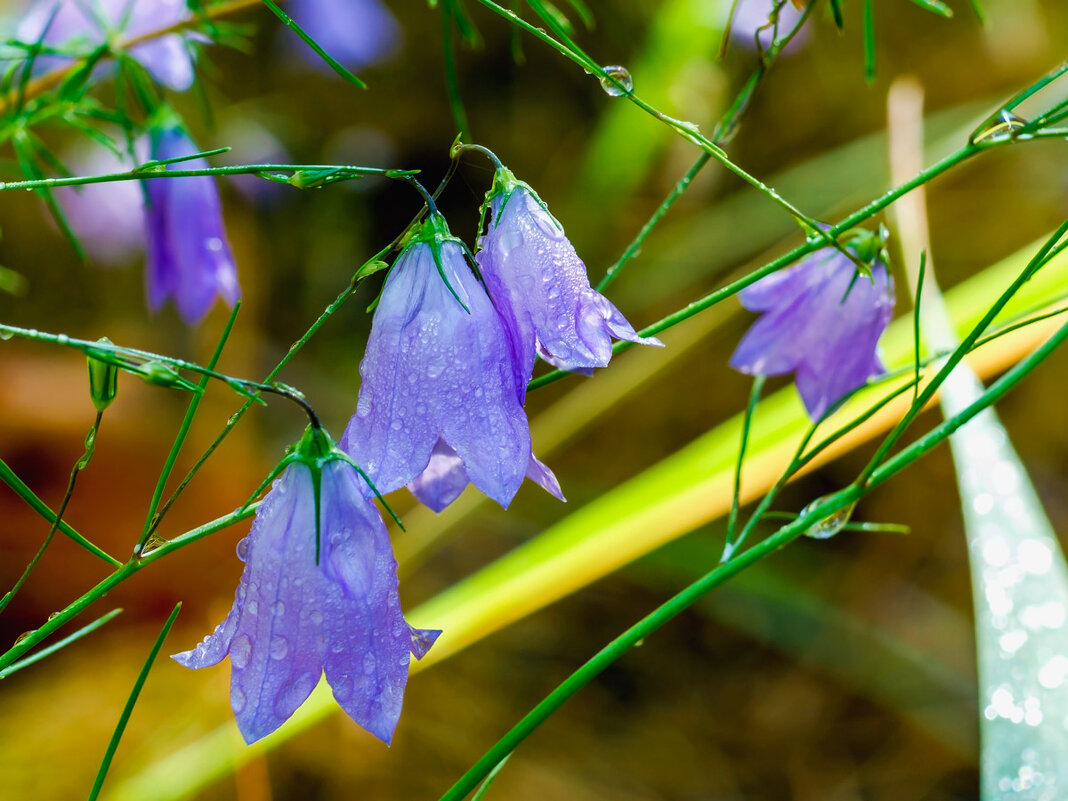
point(7, 475)
point(183, 430)
point(350, 171)
point(30, 639)
point(691, 594)
point(60, 644)
point(687, 130)
point(854, 219)
point(127, 709)
point(966, 345)
point(722, 133)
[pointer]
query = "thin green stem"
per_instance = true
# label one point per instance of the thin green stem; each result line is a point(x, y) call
point(821, 510)
point(732, 518)
point(961, 350)
point(350, 171)
point(127, 710)
point(452, 82)
point(112, 580)
point(183, 430)
point(81, 464)
point(59, 645)
point(810, 246)
point(7, 475)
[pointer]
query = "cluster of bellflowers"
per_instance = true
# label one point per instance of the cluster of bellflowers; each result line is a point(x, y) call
point(440, 406)
point(188, 257)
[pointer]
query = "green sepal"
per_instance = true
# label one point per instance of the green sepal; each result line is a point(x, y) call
point(504, 184)
point(869, 246)
point(103, 379)
point(434, 231)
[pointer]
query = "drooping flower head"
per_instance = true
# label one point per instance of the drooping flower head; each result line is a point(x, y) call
point(821, 320)
point(314, 600)
point(440, 404)
point(167, 58)
point(540, 286)
point(188, 256)
point(355, 32)
point(753, 18)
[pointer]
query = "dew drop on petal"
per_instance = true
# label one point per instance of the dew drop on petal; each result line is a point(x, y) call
point(279, 608)
point(237, 699)
point(279, 648)
point(293, 693)
point(342, 686)
point(240, 650)
point(368, 663)
point(315, 616)
point(242, 549)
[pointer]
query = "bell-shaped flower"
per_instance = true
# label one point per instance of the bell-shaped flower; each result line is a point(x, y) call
point(441, 402)
point(188, 256)
point(540, 286)
point(821, 320)
point(314, 599)
point(167, 58)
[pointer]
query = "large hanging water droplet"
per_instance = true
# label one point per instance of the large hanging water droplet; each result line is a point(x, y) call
point(617, 81)
point(829, 526)
point(279, 648)
point(242, 549)
point(1003, 127)
point(240, 651)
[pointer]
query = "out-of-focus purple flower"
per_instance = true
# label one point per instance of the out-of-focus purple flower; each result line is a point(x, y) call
point(822, 322)
point(107, 216)
point(188, 255)
point(751, 16)
point(540, 286)
point(300, 611)
point(440, 405)
point(166, 57)
point(355, 32)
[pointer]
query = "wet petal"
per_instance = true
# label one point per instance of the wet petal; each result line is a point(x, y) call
point(535, 276)
point(443, 479)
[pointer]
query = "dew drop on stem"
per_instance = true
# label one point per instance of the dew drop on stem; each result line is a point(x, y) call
point(617, 81)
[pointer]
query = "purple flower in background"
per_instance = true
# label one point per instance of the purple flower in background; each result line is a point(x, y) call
point(298, 613)
point(166, 57)
point(440, 404)
point(189, 258)
point(105, 216)
point(540, 287)
point(822, 322)
point(355, 32)
point(752, 16)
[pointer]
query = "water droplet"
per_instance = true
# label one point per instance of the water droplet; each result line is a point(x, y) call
point(617, 81)
point(237, 699)
point(215, 244)
point(152, 543)
point(337, 647)
point(278, 608)
point(62, 339)
point(279, 648)
point(252, 607)
point(293, 694)
point(1002, 128)
point(22, 637)
point(53, 615)
point(368, 663)
point(342, 686)
point(242, 549)
point(5, 334)
point(315, 616)
point(829, 526)
point(240, 651)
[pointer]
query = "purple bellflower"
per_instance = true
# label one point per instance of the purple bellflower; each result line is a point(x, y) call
point(540, 286)
point(441, 401)
point(821, 321)
point(357, 33)
point(167, 58)
point(189, 258)
point(314, 600)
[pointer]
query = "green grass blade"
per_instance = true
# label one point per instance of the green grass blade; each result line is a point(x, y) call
point(127, 710)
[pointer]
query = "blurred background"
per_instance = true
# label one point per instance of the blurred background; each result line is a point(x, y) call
point(836, 670)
